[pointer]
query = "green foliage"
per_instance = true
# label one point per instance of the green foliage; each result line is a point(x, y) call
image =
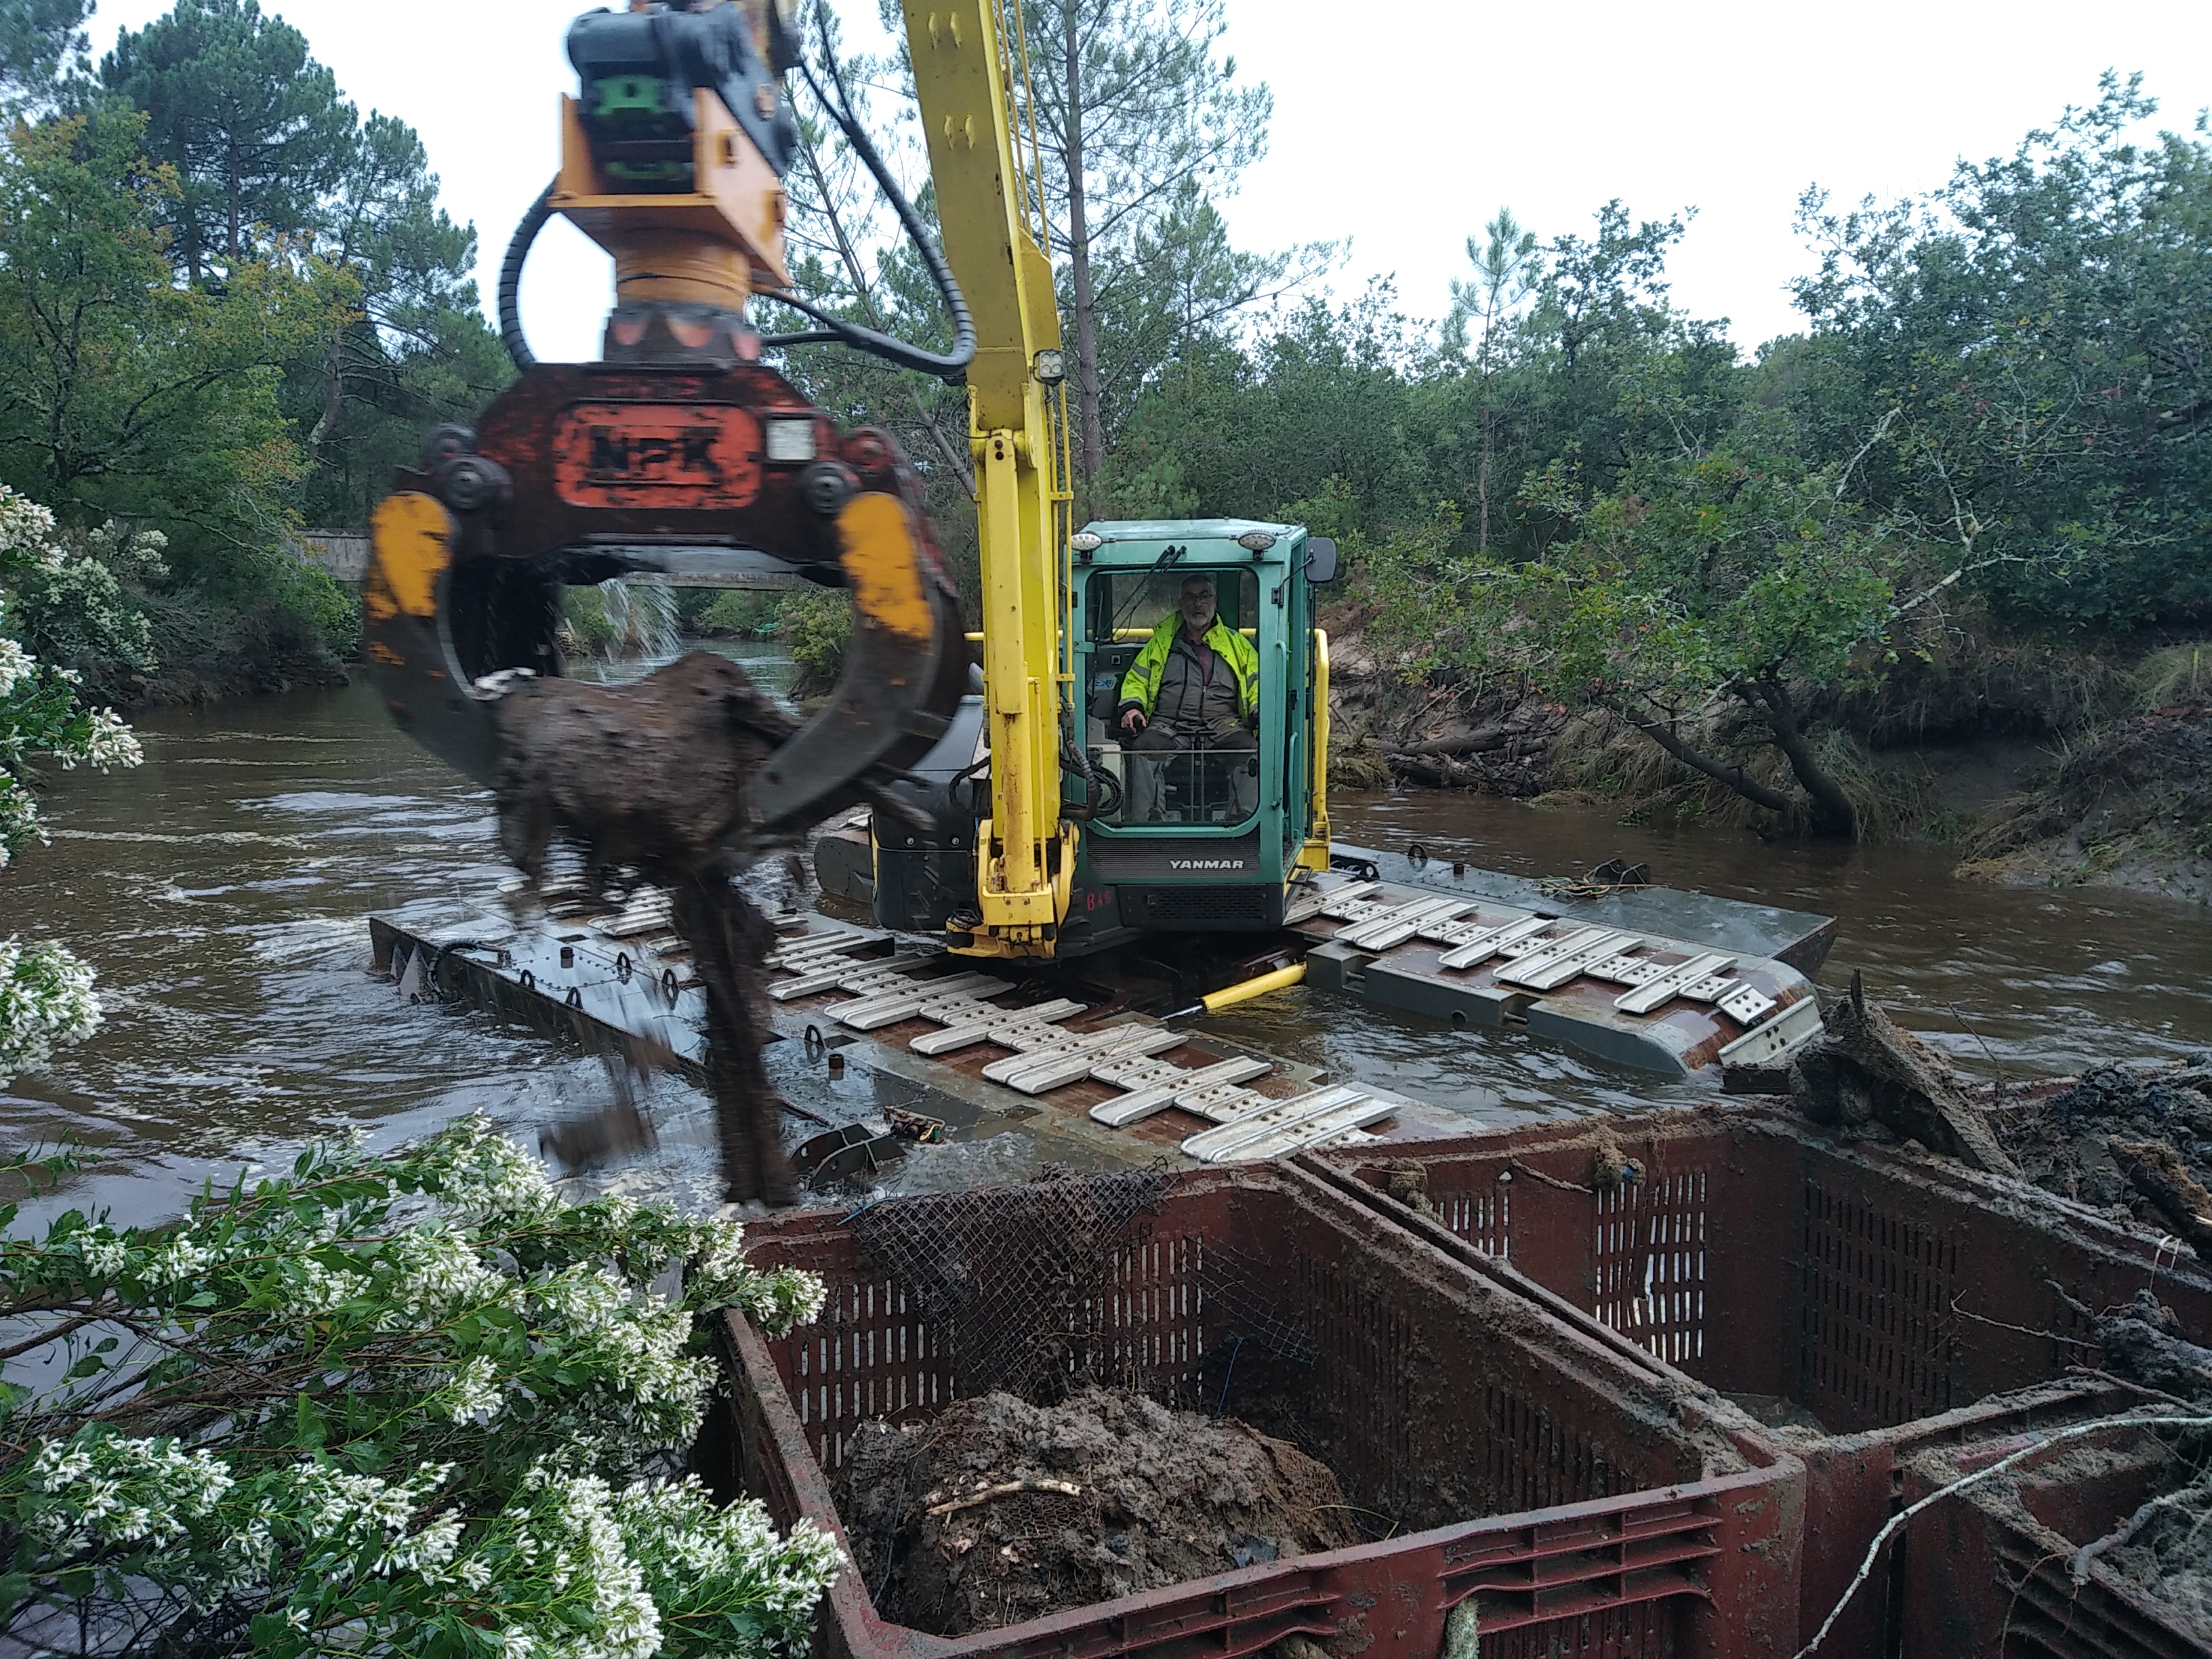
point(123, 395)
point(268, 156)
point(816, 622)
point(741, 613)
point(42, 44)
point(76, 612)
point(2038, 324)
point(585, 621)
point(252, 127)
point(410, 1404)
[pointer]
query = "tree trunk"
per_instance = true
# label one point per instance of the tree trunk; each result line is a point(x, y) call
point(1832, 811)
point(1733, 776)
point(333, 398)
point(1482, 474)
point(1090, 435)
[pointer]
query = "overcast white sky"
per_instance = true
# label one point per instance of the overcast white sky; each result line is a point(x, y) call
point(1404, 125)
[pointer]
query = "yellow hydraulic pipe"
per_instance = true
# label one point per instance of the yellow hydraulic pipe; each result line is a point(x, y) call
point(1214, 1001)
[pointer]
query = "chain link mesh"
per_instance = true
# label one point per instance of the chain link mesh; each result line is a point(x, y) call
point(1016, 1282)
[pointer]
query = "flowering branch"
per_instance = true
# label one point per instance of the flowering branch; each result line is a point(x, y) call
point(417, 1404)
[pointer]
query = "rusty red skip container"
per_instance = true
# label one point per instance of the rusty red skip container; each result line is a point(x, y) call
point(1909, 1305)
point(1568, 1497)
point(1989, 1569)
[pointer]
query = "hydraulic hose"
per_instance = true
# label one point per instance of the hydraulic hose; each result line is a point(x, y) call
point(948, 366)
point(1106, 789)
point(510, 277)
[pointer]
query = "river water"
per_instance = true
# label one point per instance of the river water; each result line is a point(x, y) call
point(222, 891)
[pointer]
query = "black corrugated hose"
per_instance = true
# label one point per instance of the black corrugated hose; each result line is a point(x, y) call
point(510, 276)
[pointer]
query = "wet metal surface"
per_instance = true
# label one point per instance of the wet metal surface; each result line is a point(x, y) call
point(223, 891)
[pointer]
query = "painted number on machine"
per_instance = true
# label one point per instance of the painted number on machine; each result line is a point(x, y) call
point(689, 457)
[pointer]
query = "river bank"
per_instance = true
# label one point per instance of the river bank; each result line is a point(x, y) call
point(2030, 767)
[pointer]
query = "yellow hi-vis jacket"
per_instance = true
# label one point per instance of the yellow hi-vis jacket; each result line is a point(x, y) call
point(1140, 686)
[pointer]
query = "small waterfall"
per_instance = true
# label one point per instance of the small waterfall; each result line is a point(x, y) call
point(643, 617)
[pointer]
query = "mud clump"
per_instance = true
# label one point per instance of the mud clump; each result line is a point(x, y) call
point(1863, 1069)
point(2100, 1139)
point(996, 1511)
point(647, 784)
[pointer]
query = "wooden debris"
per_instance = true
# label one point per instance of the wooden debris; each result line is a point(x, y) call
point(2161, 1176)
point(1862, 1067)
point(1005, 1489)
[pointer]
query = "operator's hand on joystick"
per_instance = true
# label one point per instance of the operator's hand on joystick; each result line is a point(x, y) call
point(1133, 721)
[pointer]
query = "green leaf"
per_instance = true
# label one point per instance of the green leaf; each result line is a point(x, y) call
point(308, 1425)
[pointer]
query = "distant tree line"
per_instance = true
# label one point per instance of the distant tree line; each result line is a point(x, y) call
point(229, 304)
point(1995, 424)
point(1992, 426)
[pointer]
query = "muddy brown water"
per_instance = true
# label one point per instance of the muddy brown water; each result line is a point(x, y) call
point(223, 889)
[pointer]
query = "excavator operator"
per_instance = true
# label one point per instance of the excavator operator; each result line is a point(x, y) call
point(1194, 687)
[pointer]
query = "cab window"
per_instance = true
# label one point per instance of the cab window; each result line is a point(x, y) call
point(1186, 755)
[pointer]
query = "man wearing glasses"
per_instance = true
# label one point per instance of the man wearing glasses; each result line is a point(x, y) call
point(1196, 686)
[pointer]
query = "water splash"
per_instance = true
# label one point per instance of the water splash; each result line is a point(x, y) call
point(642, 616)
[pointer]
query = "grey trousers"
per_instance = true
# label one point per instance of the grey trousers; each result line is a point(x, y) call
point(1157, 743)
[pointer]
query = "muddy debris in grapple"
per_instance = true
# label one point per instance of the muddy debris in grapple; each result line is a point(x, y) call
point(647, 785)
point(996, 1510)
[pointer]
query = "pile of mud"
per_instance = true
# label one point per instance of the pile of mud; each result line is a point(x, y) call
point(2063, 1141)
point(2136, 1140)
point(2131, 807)
point(996, 1510)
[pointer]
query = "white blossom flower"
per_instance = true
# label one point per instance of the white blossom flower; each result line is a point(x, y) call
point(175, 1260)
point(16, 665)
point(106, 744)
point(111, 1490)
point(343, 1513)
point(18, 818)
point(485, 1176)
point(571, 1534)
point(434, 1274)
point(105, 1256)
point(312, 1290)
point(475, 1393)
point(27, 533)
point(45, 997)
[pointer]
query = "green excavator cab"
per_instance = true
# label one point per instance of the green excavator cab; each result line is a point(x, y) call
point(1197, 824)
point(1192, 836)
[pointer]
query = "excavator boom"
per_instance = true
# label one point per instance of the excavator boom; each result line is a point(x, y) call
point(993, 223)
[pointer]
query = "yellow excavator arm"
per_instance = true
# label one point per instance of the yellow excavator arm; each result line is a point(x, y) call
point(681, 456)
point(991, 215)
